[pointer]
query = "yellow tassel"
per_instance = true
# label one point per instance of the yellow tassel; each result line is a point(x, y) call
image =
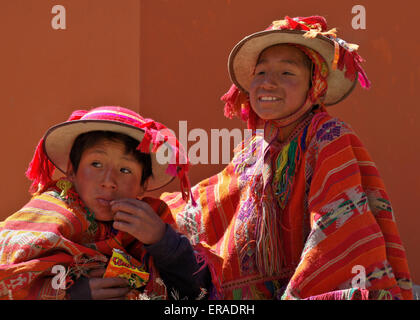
point(336, 55)
point(282, 164)
point(384, 295)
point(313, 33)
point(64, 186)
point(332, 33)
point(353, 46)
point(278, 24)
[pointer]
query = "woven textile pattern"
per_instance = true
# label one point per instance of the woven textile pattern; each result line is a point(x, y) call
point(337, 216)
point(50, 230)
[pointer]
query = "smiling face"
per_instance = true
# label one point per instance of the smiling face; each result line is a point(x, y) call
point(280, 83)
point(106, 172)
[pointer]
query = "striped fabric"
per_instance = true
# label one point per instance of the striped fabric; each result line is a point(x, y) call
point(338, 233)
point(52, 230)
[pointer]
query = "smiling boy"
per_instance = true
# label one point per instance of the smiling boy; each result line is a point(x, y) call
point(281, 81)
point(98, 206)
point(311, 206)
point(280, 85)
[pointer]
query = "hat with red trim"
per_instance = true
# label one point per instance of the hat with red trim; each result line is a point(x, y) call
point(168, 157)
point(342, 59)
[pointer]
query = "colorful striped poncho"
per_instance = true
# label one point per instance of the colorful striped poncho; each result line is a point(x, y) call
point(55, 230)
point(338, 236)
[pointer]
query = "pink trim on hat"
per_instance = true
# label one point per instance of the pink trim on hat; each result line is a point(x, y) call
point(40, 169)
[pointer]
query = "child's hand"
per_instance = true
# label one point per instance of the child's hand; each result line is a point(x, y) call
point(107, 288)
point(137, 218)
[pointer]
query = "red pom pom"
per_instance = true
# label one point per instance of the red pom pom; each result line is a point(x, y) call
point(40, 169)
point(231, 98)
point(76, 115)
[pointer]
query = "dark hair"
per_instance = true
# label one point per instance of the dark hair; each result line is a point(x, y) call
point(89, 139)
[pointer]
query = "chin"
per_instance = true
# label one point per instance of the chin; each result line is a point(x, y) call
point(267, 116)
point(103, 216)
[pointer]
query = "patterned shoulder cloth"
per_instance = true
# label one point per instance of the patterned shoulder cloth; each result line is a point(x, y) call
point(353, 241)
point(307, 218)
point(55, 228)
point(336, 223)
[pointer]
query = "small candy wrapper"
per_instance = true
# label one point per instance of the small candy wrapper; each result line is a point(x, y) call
point(123, 265)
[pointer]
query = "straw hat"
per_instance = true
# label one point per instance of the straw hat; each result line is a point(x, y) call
point(54, 148)
point(341, 57)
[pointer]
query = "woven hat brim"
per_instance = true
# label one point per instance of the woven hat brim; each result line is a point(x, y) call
point(59, 140)
point(244, 56)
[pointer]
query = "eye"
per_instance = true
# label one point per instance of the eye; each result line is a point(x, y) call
point(259, 70)
point(288, 73)
point(96, 164)
point(125, 170)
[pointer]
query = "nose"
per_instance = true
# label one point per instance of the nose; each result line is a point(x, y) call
point(108, 180)
point(269, 81)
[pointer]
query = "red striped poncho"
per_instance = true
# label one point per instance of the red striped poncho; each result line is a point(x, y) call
point(50, 230)
point(339, 239)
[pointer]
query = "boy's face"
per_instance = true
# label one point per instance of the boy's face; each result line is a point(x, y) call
point(280, 83)
point(106, 173)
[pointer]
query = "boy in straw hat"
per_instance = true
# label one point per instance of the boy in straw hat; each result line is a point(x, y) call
point(301, 211)
point(109, 156)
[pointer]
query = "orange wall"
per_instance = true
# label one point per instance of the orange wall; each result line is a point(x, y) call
point(45, 74)
point(167, 59)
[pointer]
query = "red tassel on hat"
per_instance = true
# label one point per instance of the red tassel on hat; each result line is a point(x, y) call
point(151, 136)
point(158, 140)
point(40, 169)
point(186, 185)
point(352, 61)
point(300, 23)
point(76, 115)
point(237, 104)
point(144, 145)
point(294, 24)
point(230, 98)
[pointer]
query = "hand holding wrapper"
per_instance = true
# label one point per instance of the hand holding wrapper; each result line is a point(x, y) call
point(123, 265)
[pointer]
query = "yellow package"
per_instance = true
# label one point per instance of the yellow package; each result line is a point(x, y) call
point(124, 266)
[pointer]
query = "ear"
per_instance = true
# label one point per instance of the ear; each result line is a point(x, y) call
point(143, 189)
point(71, 175)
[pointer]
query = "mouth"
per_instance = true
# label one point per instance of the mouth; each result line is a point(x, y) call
point(104, 201)
point(268, 99)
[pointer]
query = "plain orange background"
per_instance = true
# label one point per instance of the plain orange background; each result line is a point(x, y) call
point(167, 59)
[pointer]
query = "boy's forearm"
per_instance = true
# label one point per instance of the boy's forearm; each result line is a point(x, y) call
point(177, 264)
